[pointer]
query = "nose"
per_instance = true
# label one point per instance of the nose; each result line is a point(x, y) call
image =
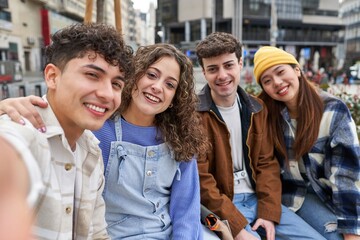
point(156, 86)
point(222, 74)
point(277, 81)
point(105, 90)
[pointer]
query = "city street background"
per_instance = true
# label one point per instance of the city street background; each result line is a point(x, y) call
point(33, 84)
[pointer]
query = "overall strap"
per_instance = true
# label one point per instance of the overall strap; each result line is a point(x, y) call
point(118, 130)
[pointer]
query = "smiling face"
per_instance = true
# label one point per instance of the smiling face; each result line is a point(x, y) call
point(84, 94)
point(223, 76)
point(154, 92)
point(281, 82)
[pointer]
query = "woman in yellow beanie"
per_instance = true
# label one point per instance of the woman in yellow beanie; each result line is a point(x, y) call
point(316, 143)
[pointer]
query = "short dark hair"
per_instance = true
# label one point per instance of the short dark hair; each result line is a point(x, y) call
point(216, 44)
point(75, 40)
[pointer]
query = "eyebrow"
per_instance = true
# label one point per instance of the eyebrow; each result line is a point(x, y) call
point(224, 63)
point(274, 70)
point(97, 68)
point(172, 78)
point(230, 61)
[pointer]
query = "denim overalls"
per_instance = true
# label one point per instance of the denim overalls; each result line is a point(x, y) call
point(137, 190)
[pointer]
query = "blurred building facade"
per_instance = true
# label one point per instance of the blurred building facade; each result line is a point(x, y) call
point(350, 15)
point(310, 29)
point(26, 26)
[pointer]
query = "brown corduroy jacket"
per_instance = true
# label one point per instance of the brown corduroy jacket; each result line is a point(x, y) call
point(216, 167)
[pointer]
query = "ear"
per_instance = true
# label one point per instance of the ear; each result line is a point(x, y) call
point(297, 71)
point(241, 62)
point(51, 74)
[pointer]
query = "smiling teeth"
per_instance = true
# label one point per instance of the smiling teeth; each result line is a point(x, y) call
point(223, 83)
point(95, 108)
point(283, 90)
point(155, 99)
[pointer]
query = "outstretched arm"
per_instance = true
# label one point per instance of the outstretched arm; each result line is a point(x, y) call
point(23, 107)
point(15, 214)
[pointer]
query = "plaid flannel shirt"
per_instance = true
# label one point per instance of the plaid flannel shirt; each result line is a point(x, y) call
point(332, 165)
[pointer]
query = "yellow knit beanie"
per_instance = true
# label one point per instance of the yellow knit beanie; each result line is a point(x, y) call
point(266, 57)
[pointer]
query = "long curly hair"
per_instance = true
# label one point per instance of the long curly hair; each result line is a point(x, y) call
point(74, 41)
point(310, 110)
point(180, 125)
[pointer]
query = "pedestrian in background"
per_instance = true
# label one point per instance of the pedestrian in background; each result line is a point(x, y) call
point(316, 144)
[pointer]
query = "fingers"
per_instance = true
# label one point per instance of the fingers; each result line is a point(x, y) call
point(37, 101)
point(257, 224)
point(267, 225)
point(32, 114)
point(19, 108)
point(14, 115)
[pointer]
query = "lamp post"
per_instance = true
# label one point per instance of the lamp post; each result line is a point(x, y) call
point(273, 24)
point(118, 24)
point(237, 21)
point(117, 11)
point(213, 15)
point(88, 11)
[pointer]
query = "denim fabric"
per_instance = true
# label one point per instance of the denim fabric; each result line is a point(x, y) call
point(137, 190)
point(208, 234)
point(319, 216)
point(291, 226)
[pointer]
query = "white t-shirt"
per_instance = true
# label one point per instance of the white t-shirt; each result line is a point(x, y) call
point(231, 116)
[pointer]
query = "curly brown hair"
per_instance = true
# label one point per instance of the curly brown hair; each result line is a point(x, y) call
point(74, 41)
point(180, 125)
point(218, 43)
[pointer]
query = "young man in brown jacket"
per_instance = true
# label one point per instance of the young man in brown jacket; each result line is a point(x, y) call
point(239, 176)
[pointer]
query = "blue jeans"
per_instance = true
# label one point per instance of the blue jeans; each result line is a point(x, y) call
point(291, 225)
point(319, 216)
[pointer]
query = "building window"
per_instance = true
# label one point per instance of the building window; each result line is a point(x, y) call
point(4, 15)
point(13, 51)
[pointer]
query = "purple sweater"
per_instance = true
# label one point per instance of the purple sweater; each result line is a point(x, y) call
point(185, 193)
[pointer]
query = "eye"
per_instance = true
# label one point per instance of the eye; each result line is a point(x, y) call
point(118, 85)
point(229, 65)
point(211, 70)
point(151, 75)
point(265, 81)
point(170, 85)
point(92, 75)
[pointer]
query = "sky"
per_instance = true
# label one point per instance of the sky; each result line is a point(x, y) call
point(143, 5)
